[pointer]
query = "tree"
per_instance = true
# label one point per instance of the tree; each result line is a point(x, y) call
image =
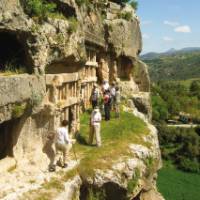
point(133, 3)
point(195, 88)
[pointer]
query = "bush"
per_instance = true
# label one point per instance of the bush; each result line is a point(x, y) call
point(18, 110)
point(82, 2)
point(189, 165)
point(125, 15)
point(39, 8)
point(73, 25)
point(134, 4)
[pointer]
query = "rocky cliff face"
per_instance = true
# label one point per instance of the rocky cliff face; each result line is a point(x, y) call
point(63, 53)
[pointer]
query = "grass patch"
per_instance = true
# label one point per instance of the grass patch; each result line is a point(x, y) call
point(73, 25)
point(134, 181)
point(54, 184)
point(116, 135)
point(18, 110)
point(177, 185)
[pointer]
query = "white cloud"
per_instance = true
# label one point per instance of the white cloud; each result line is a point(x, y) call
point(146, 22)
point(145, 36)
point(167, 39)
point(170, 23)
point(183, 29)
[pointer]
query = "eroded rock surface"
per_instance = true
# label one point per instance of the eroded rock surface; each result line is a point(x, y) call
point(63, 54)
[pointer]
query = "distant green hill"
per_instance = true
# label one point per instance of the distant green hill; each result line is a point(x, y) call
point(179, 65)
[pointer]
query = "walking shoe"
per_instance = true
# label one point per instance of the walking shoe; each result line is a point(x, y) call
point(59, 163)
point(52, 169)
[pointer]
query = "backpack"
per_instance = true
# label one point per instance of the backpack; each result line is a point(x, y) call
point(94, 96)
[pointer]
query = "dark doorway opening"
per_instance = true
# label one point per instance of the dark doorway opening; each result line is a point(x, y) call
point(12, 53)
point(7, 137)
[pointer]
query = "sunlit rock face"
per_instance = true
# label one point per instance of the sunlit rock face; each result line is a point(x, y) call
point(48, 67)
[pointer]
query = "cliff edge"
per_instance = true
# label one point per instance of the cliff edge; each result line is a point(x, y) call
point(51, 55)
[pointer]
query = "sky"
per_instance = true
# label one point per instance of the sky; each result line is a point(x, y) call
point(167, 24)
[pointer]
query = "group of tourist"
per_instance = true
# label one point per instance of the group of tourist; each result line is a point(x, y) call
point(107, 98)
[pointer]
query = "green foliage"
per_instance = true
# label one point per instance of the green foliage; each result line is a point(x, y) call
point(96, 195)
point(160, 111)
point(82, 2)
point(181, 146)
point(73, 25)
point(18, 110)
point(54, 184)
point(175, 67)
point(134, 4)
point(149, 162)
point(169, 98)
point(195, 88)
point(39, 8)
point(125, 15)
point(177, 185)
point(13, 67)
point(116, 136)
point(134, 181)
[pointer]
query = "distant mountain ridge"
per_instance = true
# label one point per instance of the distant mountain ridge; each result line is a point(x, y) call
point(172, 51)
point(174, 64)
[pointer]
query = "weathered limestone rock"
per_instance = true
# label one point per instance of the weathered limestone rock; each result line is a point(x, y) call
point(19, 89)
point(67, 55)
point(151, 195)
point(7, 164)
point(141, 167)
point(141, 76)
point(103, 70)
point(142, 102)
point(124, 37)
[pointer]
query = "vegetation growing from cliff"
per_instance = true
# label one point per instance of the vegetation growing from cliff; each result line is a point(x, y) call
point(39, 8)
point(133, 3)
point(73, 25)
point(125, 15)
point(83, 2)
point(117, 134)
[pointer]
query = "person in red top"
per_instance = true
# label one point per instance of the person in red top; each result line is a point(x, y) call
point(107, 101)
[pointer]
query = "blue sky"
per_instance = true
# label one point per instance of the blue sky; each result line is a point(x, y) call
point(169, 24)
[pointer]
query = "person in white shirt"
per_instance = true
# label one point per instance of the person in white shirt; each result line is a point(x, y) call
point(95, 127)
point(105, 86)
point(63, 143)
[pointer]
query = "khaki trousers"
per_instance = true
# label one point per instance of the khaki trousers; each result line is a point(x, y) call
point(95, 130)
point(50, 152)
point(64, 150)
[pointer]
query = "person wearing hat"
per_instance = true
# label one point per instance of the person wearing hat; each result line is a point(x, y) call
point(95, 127)
point(105, 86)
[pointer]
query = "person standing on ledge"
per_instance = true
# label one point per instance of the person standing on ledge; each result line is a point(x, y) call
point(107, 104)
point(95, 96)
point(63, 143)
point(95, 127)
